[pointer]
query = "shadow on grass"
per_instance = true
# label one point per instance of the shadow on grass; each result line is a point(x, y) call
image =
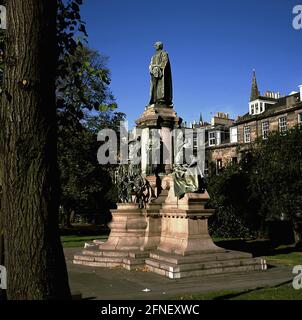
point(235, 295)
point(85, 230)
point(257, 248)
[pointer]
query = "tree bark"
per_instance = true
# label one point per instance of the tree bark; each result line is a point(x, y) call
point(262, 231)
point(296, 232)
point(67, 216)
point(34, 257)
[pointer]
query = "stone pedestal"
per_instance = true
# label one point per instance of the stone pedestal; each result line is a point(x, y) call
point(185, 224)
point(169, 237)
point(185, 247)
point(123, 245)
point(127, 228)
point(154, 223)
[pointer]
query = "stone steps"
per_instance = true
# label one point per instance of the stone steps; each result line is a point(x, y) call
point(97, 264)
point(133, 264)
point(98, 258)
point(171, 265)
point(176, 267)
point(204, 257)
point(195, 273)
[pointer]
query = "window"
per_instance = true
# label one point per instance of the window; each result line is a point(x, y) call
point(206, 167)
point(300, 120)
point(257, 109)
point(252, 109)
point(194, 142)
point(218, 166)
point(261, 107)
point(282, 124)
point(233, 135)
point(247, 134)
point(212, 139)
point(265, 129)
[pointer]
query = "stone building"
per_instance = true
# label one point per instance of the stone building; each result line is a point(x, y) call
point(227, 140)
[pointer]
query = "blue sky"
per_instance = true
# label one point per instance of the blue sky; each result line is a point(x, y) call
point(213, 48)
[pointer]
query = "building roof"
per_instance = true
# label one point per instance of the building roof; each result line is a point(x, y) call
point(280, 106)
point(266, 98)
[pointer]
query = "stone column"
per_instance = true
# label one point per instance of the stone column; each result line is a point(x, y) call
point(166, 136)
point(144, 150)
point(164, 119)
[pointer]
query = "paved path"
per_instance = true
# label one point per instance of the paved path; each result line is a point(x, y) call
point(120, 284)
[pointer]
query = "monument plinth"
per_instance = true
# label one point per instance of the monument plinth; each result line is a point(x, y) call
point(122, 248)
point(127, 228)
point(158, 116)
point(186, 248)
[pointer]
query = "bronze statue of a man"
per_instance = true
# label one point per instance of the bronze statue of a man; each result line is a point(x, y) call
point(161, 78)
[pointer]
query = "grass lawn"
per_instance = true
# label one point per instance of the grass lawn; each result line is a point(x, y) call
point(291, 258)
point(73, 241)
point(81, 233)
point(283, 292)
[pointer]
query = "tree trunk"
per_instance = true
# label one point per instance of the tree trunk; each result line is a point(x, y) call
point(296, 232)
point(67, 215)
point(262, 231)
point(1, 227)
point(1, 235)
point(71, 218)
point(34, 257)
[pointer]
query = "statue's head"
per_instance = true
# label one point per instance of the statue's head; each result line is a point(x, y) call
point(158, 45)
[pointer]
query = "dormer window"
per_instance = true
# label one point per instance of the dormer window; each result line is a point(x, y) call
point(261, 107)
point(257, 109)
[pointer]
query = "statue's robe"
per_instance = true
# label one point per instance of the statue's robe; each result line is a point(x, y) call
point(161, 79)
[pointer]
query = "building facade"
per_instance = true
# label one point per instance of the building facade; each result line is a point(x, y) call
point(227, 139)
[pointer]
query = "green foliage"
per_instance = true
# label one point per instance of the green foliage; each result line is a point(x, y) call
point(69, 25)
point(82, 78)
point(260, 191)
point(81, 87)
point(86, 186)
point(230, 198)
point(84, 87)
point(276, 177)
